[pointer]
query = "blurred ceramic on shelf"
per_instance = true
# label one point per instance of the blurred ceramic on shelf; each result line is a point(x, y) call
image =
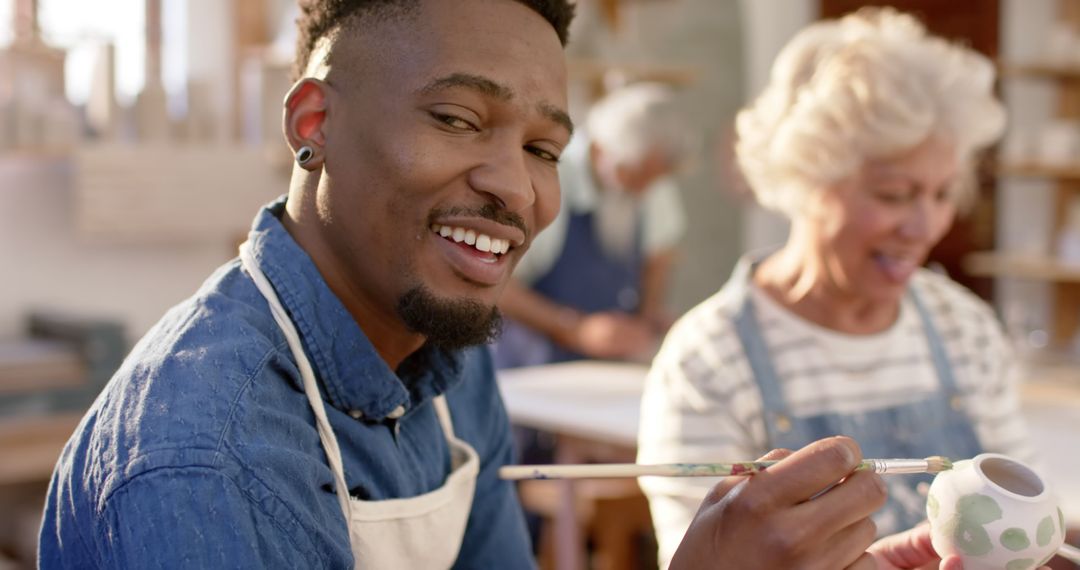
point(995, 513)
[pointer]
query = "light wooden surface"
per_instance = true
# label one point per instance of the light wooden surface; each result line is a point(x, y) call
point(1039, 170)
point(1040, 70)
point(594, 400)
point(1020, 266)
point(39, 366)
point(592, 408)
point(599, 402)
point(30, 446)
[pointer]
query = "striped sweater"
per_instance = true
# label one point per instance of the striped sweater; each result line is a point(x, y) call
point(701, 402)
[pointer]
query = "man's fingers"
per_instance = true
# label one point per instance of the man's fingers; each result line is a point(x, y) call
point(725, 486)
point(862, 493)
point(776, 455)
point(811, 470)
point(844, 548)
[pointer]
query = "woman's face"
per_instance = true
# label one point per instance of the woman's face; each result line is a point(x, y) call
point(873, 230)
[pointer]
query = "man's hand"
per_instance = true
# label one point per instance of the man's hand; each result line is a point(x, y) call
point(809, 511)
point(912, 550)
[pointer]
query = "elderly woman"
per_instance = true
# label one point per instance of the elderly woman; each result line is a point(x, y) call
point(865, 138)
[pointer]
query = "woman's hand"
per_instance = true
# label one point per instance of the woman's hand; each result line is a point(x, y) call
point(912, 550)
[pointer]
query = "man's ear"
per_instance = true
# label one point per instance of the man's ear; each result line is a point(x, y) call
point(305, 118)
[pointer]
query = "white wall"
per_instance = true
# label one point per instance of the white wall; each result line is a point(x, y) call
point(767, 26)
point(210, 62)
point(45, 265)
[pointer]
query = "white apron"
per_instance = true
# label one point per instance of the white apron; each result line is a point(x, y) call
point(422, 532)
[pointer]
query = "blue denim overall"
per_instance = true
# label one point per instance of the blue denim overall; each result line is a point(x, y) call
point(585, 278)
point(932, 426)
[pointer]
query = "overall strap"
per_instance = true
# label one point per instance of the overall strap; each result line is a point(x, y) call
point(442, 410)
point(774, 408)
point(937, 347)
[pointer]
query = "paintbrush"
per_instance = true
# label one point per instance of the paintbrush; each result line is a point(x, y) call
point(935, 464)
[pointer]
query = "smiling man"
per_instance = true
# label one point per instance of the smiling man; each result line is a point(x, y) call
point(326, 370)
point(325, 400)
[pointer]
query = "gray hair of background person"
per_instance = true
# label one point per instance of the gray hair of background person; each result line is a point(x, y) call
point(868, 86)
point(638, 119)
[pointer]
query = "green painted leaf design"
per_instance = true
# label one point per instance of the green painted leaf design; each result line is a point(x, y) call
point(1015, 539)
point(972, 513)
point(1045, 531)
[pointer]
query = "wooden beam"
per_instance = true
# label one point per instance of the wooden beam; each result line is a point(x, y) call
point(26, 21)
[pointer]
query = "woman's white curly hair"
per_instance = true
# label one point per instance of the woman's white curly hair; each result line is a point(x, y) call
point(867, 86)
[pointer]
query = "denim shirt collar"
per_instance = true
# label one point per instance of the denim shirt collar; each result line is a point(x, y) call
point(352, 375)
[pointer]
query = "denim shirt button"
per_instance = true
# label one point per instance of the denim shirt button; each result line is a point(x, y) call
point(783, 423)
point(356, 414)
point(396, 413)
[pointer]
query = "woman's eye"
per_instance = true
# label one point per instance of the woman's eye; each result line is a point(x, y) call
point(892, 197)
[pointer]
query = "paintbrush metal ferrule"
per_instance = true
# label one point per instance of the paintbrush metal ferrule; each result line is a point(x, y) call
point(896, 466)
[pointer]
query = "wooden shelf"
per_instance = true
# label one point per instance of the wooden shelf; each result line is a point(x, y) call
point(1037, 170)
point(1049, 71)
point(1038, 268)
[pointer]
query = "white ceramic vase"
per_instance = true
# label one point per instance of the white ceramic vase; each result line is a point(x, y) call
point(995, 513)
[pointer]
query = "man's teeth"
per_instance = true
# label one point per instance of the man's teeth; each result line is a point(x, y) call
point(482, 242)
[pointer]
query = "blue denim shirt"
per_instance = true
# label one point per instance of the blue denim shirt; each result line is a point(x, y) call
point(202, 450)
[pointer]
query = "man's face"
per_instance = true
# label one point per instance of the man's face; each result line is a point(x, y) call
point(441, 152)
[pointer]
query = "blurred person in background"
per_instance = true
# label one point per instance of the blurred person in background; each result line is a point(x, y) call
point(866, 138)
point(594, 284)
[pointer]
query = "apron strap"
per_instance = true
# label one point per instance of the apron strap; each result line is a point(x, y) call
point(773, 406)
point(937, 347)
point(442, 410)
point(311, 390)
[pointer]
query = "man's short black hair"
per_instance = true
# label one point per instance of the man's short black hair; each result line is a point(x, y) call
point(321, 17)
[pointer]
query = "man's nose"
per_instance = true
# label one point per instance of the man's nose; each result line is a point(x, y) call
point(504, 175)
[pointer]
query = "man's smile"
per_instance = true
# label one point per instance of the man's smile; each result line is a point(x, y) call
point(476, 247)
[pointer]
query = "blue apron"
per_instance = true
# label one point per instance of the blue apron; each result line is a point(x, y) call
point(585, 278)
point(933, 426)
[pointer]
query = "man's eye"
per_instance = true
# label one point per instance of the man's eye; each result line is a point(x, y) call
point(454, 122)
point(543, 154)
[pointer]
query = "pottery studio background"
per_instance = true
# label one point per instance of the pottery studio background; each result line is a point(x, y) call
point(120, 118)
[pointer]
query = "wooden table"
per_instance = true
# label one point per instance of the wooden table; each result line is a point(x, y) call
point(592, 408)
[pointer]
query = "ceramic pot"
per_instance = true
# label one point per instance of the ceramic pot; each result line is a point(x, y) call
point(995, 513)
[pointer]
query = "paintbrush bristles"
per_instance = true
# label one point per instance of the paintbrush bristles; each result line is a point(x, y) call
point(937, 464)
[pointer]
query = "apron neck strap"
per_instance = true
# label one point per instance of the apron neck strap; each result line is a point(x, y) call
point(311, 390)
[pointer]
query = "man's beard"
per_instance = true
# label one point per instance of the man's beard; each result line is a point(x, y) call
point(450, 324)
